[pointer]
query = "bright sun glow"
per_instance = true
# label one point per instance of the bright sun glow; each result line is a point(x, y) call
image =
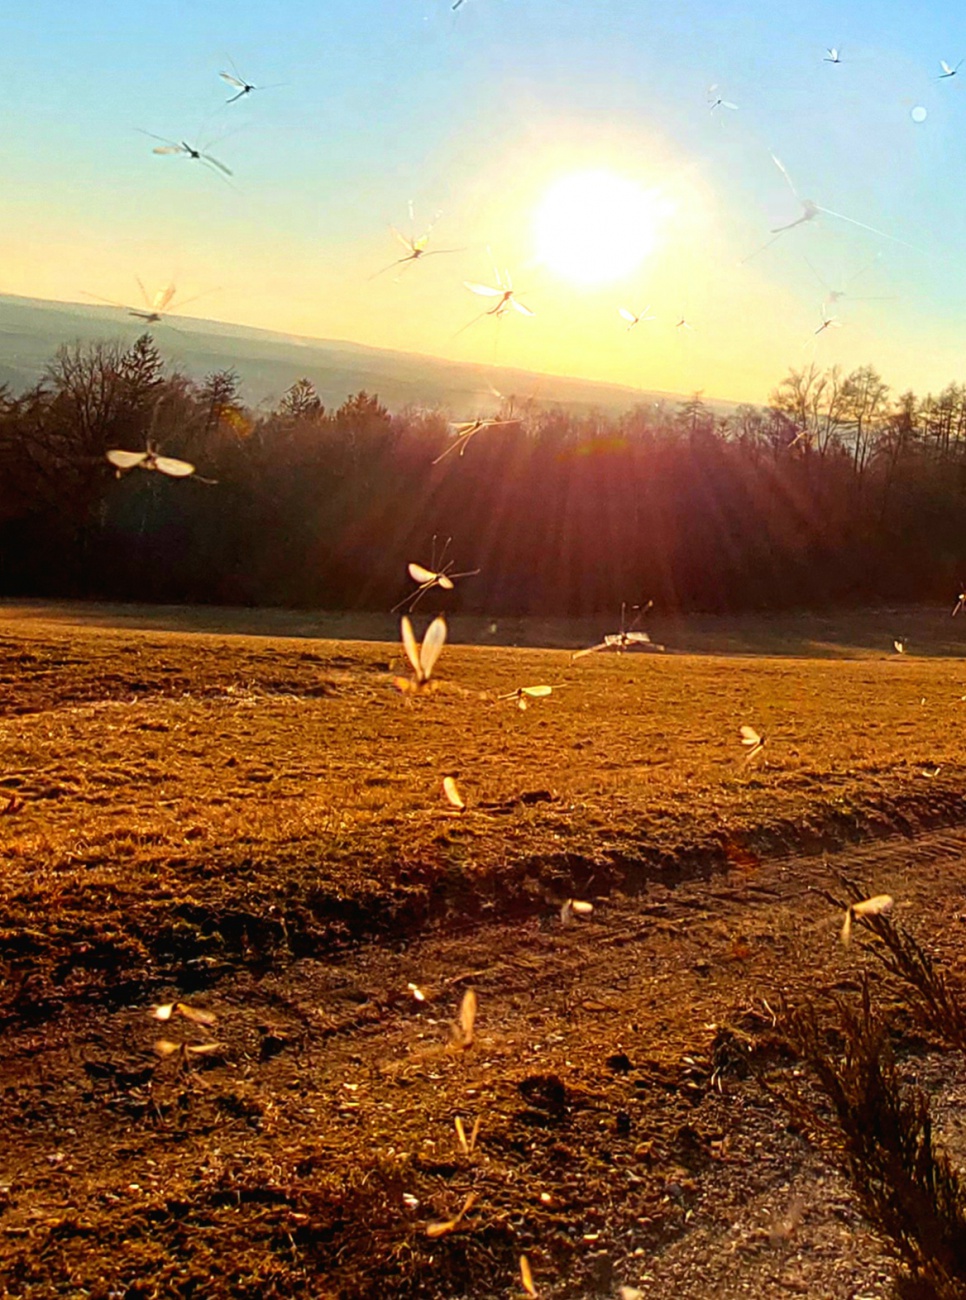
point(595, 226)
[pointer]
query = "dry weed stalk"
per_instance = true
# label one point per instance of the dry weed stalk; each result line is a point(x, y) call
point(907, 1186)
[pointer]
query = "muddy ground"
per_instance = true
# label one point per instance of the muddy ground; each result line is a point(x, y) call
point(255, 827)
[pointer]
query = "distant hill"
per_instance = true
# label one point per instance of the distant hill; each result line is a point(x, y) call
point(32, 329)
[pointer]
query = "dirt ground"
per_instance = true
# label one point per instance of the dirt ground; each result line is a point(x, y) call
point(254, 826)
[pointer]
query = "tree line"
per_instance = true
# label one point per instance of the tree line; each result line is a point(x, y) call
point(835, 492)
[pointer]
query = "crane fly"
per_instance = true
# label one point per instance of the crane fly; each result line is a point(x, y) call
point(754, 741)
point(836, 295)
point(716, 101)
point(960, 602)
point(426, 579)
point(634, 318)
point(421, 657)
point(503, 292)
point(524, 694)
point(239, 84)
point(468, 429)
point(899, 646)
point(625, 638)
point(828, 322)
point(416, 246)
point(832, 55)
point(172, 147)
point(156, 306)
point(947, 71)
point(149, 459)
point(877, 906)
point(811, 210)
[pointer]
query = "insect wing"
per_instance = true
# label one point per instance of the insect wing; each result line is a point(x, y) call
point(432, 645)
point(446, 582)
point(452, 793)
point(196, 1015)
point(526, 1277)
point(173, 468)
point(627, 315)
point(421, 575)
point(876, 906)
point(483, 289)
point(232, 81)
point(406, 243)
point(163, 297)
point(410, 645)
point(126, 459)
point(167, 148)
point(537, 692)
point(518, 306)
point(468, 1016)
point(749, 736)
point(163, 1012)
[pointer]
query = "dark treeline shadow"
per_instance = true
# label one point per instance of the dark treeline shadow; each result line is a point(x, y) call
point(836, 493)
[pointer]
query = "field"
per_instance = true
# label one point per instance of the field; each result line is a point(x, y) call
point(254, 825)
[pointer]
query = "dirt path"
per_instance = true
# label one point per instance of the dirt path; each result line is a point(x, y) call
point(621, 1141)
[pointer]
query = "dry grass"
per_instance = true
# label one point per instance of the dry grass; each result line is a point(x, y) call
point(227, 819)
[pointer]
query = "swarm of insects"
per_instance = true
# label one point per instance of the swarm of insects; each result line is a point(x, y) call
point(422, 657)
point(876, 906)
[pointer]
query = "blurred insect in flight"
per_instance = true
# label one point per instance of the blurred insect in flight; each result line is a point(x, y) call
point(417, 246)
point(899, 646)
point(182, 147)
point(754, 741)
point(633, 318)
point(523, 695)
point(421, 657)
point(811, 210)
point(243, 87)
point(832, 56)
point(468, 429)
point(947, 71)
point(828, 322)
point(149, 459)
point(877, 906)
point(960, 602)
point(157, 308)
point(436, 577)
point(715, 101)
point(834, 296)
point(504, 293)
point(623, 639)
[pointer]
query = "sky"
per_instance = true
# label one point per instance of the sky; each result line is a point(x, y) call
point(567, 143)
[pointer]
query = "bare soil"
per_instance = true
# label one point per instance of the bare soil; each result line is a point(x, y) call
point(255, 826)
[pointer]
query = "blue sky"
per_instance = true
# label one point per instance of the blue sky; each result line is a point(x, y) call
point(470, 114)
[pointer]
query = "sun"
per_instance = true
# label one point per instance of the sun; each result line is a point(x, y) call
point(596, 226)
